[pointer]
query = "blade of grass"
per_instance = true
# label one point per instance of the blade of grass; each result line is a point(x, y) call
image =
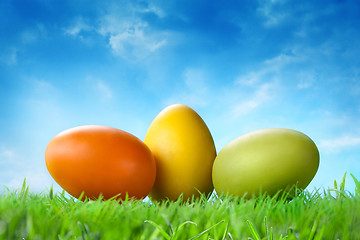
point(230, 236)
point(291, 230)
point(266, 226)
point(313, 231)
point(205, 231)
point(51, 192)
point(225, 232)
point(253, 230)
point(181, 226)
point(357, 185)
point(342, 184)
point(271, 235)
point(158, 227)
point(84, 230)
point(24, 190)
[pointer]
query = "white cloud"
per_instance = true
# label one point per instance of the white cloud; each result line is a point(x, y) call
point(33, 34)
point(303, 84)
point(157, 44)
point(246, 106)
point(8, 157)
point(135, 41)
point(265, 81)
point(337, 144)
point(42, 86)
point(77, 27)
point(152, 8)
point(196, 91)
point(251, 78)
point(7, 154)
point(261, 96)
point(128, 35)
point(282, 60)
point(103, 89)
point(9, 56)
point(12, 60)
point(29, 36)
point(355, 90)
point(41, 90)
point(100, 87)
point(269, 71)
point(269, 9)
point(306, 79)
point(195, 80)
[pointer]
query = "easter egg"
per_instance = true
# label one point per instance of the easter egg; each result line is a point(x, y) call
point(101, 160)
point(184, 153)
point(265, 161)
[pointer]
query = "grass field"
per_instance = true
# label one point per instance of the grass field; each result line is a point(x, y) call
point(326, 214)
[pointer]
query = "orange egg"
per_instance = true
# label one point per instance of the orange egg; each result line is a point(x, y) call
point(101, 160)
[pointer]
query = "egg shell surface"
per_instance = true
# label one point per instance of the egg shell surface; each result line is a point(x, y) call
point(266, 161)
point(184, 153)
point(100, 160)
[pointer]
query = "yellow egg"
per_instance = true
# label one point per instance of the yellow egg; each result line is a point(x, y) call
point(184, 153)
point(267, 160)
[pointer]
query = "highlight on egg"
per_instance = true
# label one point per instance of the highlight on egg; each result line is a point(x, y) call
point(265, 161)
point(101, 160)
point(184, 152)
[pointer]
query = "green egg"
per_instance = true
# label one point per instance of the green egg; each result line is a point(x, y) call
point(265, 161)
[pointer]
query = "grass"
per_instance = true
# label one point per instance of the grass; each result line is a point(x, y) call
point(326, 214)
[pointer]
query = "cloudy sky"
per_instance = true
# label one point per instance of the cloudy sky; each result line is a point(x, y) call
point(242, 65)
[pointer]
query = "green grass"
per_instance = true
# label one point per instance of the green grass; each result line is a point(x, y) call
point(326, 214)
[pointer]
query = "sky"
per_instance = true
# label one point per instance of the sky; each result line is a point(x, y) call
point(242, 65)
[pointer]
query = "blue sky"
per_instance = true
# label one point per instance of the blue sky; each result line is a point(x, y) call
point(242, 65)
